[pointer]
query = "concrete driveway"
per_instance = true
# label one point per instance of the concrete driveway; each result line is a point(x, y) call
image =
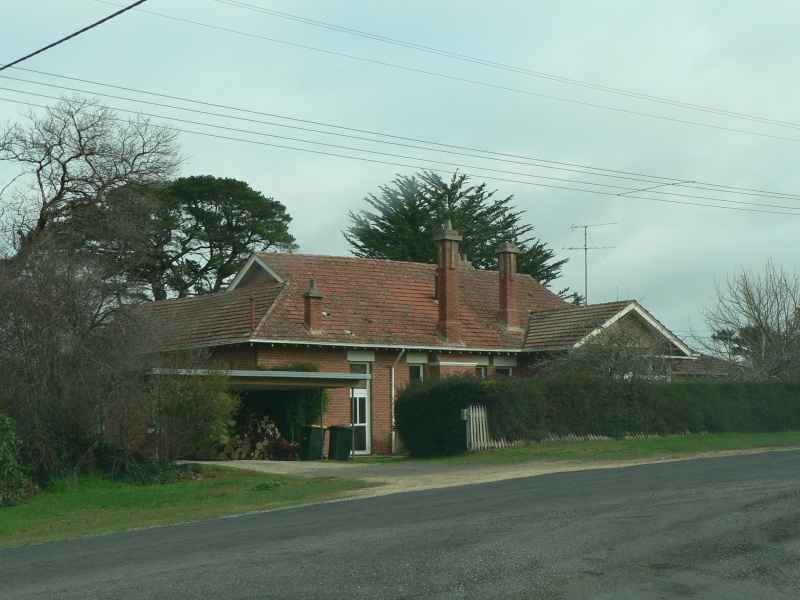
point(411, 475)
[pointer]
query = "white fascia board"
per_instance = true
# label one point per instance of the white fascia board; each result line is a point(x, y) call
point(448, 349)
point(647, 318)
point(442, 363)
point(442, 349)
point(257, 373)
point(253, 260)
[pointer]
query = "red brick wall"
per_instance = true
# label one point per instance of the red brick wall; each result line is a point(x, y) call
point(334, 360)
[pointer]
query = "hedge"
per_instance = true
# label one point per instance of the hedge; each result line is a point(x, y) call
point(428, 414)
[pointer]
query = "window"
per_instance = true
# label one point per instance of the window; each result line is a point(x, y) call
point(505, 371)
point(415, 373)
point(480, 371)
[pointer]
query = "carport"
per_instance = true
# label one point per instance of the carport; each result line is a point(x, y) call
point(256, 380)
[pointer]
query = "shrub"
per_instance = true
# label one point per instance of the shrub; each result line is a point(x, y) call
point(428, 415)
point(191, 414)
point(14, 485)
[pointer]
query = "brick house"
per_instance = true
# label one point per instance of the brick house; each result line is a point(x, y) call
point(379, 324)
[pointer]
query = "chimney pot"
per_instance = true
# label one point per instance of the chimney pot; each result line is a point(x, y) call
point(507, 270)
point(313, 308)
point(447, 290)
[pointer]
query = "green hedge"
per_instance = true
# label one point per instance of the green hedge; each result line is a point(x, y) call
point(428, 415)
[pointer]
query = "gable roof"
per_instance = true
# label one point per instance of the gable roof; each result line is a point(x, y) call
point(379, 303)
point(210, 320)
point(556, 330)
point(366, 302)
point(551, 330)
point(392, 303)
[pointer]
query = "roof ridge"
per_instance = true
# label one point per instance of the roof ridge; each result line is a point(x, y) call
point(278, 297)
point(339, 257)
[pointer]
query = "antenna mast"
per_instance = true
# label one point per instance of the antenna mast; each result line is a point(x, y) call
point(586, 249)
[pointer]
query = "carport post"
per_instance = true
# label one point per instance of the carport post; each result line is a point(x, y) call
point(322, 423)
point(352, 426)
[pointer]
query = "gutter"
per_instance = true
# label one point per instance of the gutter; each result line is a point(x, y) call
point(394, 432)
point(448, 349)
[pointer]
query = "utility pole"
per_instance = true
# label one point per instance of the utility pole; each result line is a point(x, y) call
point(586, 249)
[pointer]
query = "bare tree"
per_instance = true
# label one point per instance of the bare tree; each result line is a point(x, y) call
point(75, 154)
point(755, 320)
point(70, 358)
point(620, 352)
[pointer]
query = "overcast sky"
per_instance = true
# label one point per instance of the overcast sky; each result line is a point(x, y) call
point(725, 58)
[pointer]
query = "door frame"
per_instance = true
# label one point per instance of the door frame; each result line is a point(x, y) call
point(366, 418)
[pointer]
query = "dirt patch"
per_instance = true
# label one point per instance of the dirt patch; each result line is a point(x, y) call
point(408, 476)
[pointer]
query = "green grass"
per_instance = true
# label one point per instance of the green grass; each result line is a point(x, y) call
point(623, 450)
point(92, 506)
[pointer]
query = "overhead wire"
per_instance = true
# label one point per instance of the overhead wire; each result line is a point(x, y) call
point(526, 162)
point(503, 66)
point(531, 161)
point(72, 35)
point(592, 171)
point(424, 163)
point(466, 80)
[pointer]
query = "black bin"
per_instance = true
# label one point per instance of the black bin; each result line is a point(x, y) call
point(311, 442)
point(341, 442)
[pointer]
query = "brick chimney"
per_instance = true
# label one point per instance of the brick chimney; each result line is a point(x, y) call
point(507, 267)
point(448, 265)
point(313, 308)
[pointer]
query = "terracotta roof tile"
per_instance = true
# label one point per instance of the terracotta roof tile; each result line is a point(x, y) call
point(212, 319)
point(561, 329)
point(366, 301)
point(372, 301)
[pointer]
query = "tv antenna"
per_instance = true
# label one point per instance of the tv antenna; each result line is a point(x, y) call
point(586, 249)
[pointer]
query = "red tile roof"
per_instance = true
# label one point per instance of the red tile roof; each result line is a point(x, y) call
point(366, 302)
point(211, 320)
point(703, 366)
point(384, 302)
point(562, 329)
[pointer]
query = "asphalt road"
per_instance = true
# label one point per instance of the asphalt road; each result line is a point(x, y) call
point(706, 528)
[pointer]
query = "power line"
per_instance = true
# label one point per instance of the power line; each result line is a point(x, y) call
point(69, 37)
point(627, 190)
point(506, 67)
point(571, 167)
point(459, 166)
point(423, 165)
point(466, 80)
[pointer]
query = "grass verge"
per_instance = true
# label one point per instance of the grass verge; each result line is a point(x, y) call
point(624, 450)
point(91, 506)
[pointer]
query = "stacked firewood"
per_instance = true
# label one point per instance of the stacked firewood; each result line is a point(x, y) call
point(257, 438)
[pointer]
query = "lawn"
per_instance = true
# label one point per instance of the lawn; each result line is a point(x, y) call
point(650, 448)
point(91, 506)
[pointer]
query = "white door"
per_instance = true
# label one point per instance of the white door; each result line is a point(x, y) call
point(360, 408)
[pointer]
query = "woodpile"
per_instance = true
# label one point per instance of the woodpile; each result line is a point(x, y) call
point(257, 438)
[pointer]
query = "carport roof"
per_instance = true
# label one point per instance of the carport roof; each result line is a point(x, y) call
point(241, 379)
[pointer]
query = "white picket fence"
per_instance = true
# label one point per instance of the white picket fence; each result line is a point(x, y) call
point(478, 432)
